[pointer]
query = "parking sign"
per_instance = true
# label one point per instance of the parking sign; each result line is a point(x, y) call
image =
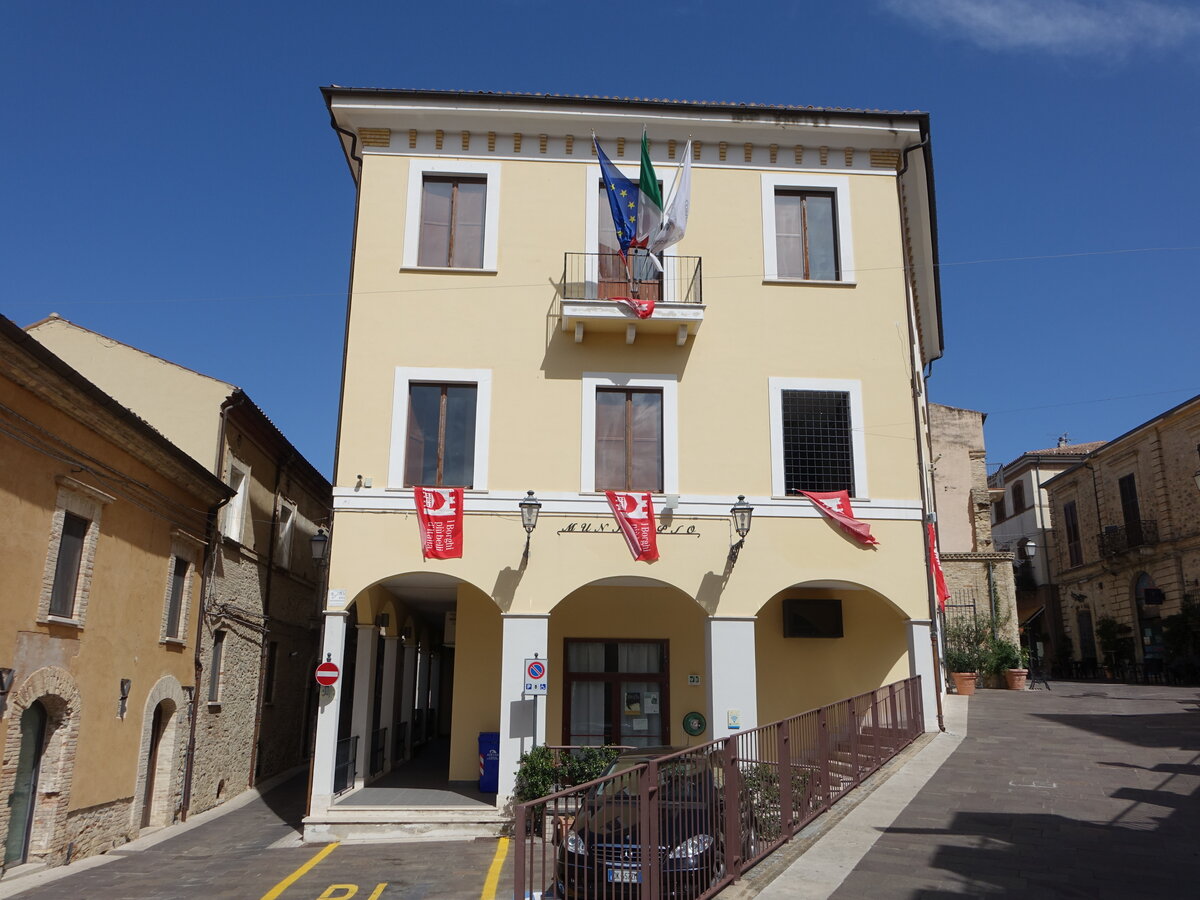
point(535, 676)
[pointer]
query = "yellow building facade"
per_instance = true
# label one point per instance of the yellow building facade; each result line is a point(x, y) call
point(484, 350)
point(106, 524)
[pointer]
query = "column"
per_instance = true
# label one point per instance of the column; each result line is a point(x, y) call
point(361, 717)
point(387, 699)
point(333, 643)
point(408, 690)
point(435, 687)
point(920, 662)
point(732, 676)
point(522, 720)
point(422, 701)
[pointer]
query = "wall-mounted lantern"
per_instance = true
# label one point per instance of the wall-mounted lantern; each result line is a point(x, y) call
point(319, 544)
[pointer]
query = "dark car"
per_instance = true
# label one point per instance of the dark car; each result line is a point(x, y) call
point(601, 853)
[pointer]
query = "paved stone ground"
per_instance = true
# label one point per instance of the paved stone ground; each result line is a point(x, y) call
point(244, 853)
point(1087, 790)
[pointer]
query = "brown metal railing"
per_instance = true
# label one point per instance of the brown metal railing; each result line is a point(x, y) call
point(689, 823)
point(603, 276)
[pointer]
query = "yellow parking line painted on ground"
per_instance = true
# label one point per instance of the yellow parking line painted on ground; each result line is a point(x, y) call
point(296, 876)
point(493, 876)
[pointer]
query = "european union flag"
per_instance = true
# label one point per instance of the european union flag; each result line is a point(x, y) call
point(622, 199)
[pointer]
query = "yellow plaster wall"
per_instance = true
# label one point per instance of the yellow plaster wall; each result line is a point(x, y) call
point(798, 674)
point(476, 705)
point(120, 637)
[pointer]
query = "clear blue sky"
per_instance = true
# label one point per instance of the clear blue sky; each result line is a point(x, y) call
point(170, 179)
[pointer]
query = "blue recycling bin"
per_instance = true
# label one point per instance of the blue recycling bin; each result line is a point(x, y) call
point(489, 762)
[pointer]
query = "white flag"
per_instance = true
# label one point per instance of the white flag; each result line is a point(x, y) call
point(675, 216)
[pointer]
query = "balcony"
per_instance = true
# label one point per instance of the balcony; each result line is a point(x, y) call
point(592, 282)
point(1119, 538)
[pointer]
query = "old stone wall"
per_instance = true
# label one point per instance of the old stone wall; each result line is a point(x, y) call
point(967, 576)
point(97, 829)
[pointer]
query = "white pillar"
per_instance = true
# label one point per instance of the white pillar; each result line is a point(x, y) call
point(361, 717)
point(732, 676)
point(333, 645)
point(920, 662)
point(522, 721)
point(408, 689)
point(387, 698)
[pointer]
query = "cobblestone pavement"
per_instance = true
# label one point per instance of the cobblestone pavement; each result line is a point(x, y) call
point(245, 853)
point(1086, 790)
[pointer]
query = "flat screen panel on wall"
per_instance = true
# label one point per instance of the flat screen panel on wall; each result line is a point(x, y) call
point(809, 618)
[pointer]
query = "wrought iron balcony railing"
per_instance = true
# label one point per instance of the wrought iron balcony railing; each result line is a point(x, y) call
point(1119, 538)
point(603, 276)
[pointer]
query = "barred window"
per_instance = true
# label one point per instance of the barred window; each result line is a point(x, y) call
point(818, 452)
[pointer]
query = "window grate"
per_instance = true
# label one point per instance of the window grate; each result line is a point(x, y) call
point(818, 453)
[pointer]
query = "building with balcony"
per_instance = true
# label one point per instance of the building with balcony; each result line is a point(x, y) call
point(485, 351)
point(260, 617)
point(105, 541)
point(1126, 539)
point(1022, 526)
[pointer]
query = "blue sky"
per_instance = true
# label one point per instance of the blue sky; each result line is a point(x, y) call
point(170, 179)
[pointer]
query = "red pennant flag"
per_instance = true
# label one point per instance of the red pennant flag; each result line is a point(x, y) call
point(635, 514)
point(935, 563)
point(836, 505)
point(439, 515)
point(643, 309)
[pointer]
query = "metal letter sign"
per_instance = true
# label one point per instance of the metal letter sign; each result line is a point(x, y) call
point(535, 676)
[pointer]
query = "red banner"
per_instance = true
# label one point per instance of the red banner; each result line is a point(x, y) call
point(643, 309)
point(635, 514)
point(935, 563)
point(439, 515)
point(836, 505)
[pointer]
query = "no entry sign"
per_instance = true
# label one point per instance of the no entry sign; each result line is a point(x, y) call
point(535, 676)
point(327, 674)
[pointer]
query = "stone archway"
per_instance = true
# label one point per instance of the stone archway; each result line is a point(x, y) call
point(166, 777)
point(55, 689)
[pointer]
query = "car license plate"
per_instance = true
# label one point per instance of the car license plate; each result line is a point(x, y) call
point(625, 876)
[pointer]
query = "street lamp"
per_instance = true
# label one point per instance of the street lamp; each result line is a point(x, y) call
point(319, 544)
point(1028, 549)
point(530, 507)
point(742, 513)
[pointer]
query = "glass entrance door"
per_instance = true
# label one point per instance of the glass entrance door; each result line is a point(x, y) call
point(24, 795)
point(616, 693)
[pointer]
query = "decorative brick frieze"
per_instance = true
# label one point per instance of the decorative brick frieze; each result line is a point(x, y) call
point(375, 137)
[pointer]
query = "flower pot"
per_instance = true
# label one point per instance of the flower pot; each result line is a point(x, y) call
point(1015, 678)
point(964, 683)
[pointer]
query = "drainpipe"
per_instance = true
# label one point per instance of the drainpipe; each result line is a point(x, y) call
point(922, 462)
point(210, 563)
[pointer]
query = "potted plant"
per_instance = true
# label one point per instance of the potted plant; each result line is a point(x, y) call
point(965, 640)
point(1006, 659)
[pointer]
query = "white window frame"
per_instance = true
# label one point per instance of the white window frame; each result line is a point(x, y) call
point(668, 385)
point(480, 378)
point(591, 234)
point(839, 185)
point(234, 519)
point(87, 502)
point(417, 170)
point(186, 547)
point(285, 534)
point(853, 388)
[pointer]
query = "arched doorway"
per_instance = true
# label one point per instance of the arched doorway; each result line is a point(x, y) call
point(1147, 600)
point(24, 796)
point(156, 730)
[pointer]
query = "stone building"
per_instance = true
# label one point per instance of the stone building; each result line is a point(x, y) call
point(260, 626)
point(1126, 542)
point(1021, 523)
point(979, 576)
point(107, 528)
point(486, 351)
